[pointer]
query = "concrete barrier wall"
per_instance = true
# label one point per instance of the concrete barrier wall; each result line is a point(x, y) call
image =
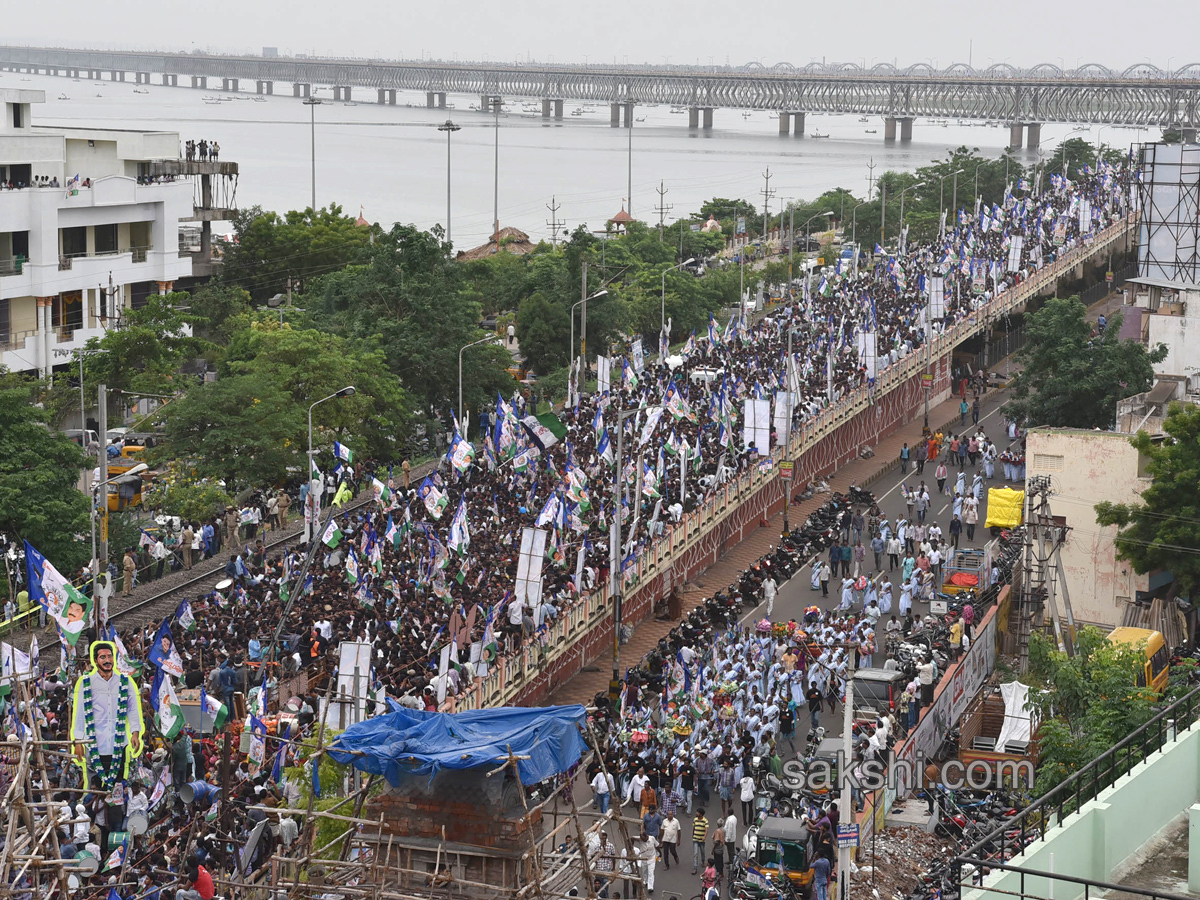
point(1106, 832)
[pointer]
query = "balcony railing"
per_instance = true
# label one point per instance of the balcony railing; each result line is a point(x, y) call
point(14, 340)
point(137, 254)
point(12, 266)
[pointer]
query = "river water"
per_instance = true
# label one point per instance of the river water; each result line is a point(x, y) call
point(391, 160)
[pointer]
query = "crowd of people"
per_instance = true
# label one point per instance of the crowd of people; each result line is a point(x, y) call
point(204, 150)
point(437, 562)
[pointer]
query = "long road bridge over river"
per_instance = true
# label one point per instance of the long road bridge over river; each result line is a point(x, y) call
point(1024, 99)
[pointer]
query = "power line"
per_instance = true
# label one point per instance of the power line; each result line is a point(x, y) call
point(767, 195)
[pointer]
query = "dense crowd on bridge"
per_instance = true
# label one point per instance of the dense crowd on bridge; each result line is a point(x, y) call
point(436, 563)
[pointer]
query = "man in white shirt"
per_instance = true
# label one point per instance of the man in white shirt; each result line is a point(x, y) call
point(747, 797)
point(99, 693)
point(671, 829)
point(769, 587)
point(602, 787)
point(646, 847)
point(730, 827)
point(636, 783)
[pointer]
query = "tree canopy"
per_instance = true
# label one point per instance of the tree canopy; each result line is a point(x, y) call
point(1163, 531)
point(40, 500)
point(1072, 378)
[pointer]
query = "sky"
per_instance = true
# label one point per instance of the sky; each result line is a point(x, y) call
point(1067, 33)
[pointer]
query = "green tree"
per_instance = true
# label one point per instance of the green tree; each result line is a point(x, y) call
point(300, 246)
point(1085, 703)
point(1072, 379)
point(222, 309)
point(409, 295)
point(176, 493)
point(543, 331)
point(40, 469)
point(1163, 531)
point(309, 365)
point(242, 429)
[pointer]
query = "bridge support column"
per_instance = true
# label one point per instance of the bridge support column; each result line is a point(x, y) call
point(229, 84)
point(784, 124)
point(708, 118)
point(1187, 134)
point(142, 77)
point(906, 124)
point(693, 118)
point(889, 129)
point(558, 109)
point(381, 96)
point(391, 96)
point(1035, 136)
point(614, 115)
point(264, 87)
point(200, 81)
point(441, 99)
point(798, 124)
point(627, 114)
point(546, 107)
point(168, 80)
point(485, 103)
point(346, 93)
point(429, 95)
point(301, 90)
point(1015, 134)
point(116, 76)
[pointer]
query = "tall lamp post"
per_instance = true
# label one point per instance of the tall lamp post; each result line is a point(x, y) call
point(312, 103)
point(942, 190)
point(854, 222)
point(663, 322)
point(808, 238)
point(614, 544)
point(487, 340)
point(572, 392)
point(448, 127)
point(496, 175)
point(911, 187)
point(347, 391)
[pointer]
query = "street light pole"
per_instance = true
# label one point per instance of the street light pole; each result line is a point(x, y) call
point(954, 196)
point(347, 391)
point(449, 127)
point(572, 393)
point(808, 237)
point(496, 177)
point(854, 222)
point(903, 237)
point(663, 325)
point(488, 339)
point(629, 113)
point(312, 103)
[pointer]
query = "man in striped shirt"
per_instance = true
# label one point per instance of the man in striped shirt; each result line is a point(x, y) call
point(699, 839)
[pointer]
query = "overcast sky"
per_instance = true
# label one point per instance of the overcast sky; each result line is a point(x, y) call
point(1020, 32)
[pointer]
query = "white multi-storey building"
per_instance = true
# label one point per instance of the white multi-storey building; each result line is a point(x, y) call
point(75, 255)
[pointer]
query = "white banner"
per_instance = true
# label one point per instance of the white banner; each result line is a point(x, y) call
point(1085, 216)
point(756, 425)
point(865, 341)
point(1017, 242)
point(528, 588)
point(785, 404)
point(937, 297)
point(639, 359)
point(603, 372)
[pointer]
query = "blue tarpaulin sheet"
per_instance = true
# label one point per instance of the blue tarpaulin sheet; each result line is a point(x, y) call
point(414, 742)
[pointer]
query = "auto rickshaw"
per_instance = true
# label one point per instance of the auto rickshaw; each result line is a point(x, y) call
point(763, 848)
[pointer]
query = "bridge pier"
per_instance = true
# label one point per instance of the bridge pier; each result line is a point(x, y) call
point(784, 124)
point(558, 109)
point(889, 128)
point(229, 84)
point(116, 76)
point(693, 118)
point(342, 93)
point(169, 80)
point(429, 95)
point(708, 118)
point(797, 124)
point(627, 114)
point(301, 90)
point(614, 115)
point(141, 77)
point(546, 106)
point(1187, 134)
point(1035, 136)
point(441, 100)
point(200, 81)
point(906, 124)
point(485, 103)
point(264, 87)
point(1015, 133)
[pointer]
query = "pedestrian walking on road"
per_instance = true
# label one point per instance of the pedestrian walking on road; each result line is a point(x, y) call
point(904, 453)
point(940, 475)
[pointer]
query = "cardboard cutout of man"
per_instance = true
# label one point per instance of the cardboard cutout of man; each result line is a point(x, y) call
point(106, 720)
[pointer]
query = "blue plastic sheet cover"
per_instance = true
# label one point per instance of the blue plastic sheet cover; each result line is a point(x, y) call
point(415, 742)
